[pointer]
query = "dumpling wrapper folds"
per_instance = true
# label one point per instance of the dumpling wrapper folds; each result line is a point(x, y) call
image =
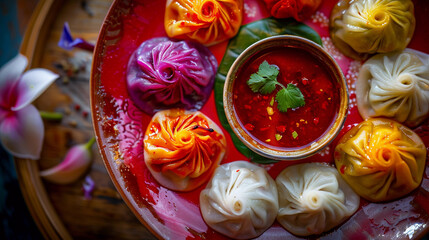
point(183, 148)
point(165, 73)
point(395, 85)
point(381, 159)
point(240, 201)
point(313, 199)
point(362, 27)
point(205, 21)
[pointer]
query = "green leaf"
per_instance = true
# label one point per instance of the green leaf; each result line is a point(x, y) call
point(290, 97)
point(256, 82)
point(268, 87)
point(265, 80)
point(268, 70)
point(246, 36)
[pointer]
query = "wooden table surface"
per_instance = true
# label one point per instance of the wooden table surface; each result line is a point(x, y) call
point(105, 216)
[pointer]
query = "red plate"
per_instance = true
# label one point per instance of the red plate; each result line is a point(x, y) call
point(120, 127)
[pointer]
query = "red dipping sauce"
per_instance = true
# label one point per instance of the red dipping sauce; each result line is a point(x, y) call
point(299, 127)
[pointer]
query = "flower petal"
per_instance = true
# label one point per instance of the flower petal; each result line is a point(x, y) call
point(12, 70)
point(66, 38)
point(21, 133)
point(76, 162)
point(88, 187)
point(33, 83)
point(3, 113)
point(68, 43)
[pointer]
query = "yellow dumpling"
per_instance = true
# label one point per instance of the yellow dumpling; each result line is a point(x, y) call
point(205, 21)
point(362, 27)
point(381, 159)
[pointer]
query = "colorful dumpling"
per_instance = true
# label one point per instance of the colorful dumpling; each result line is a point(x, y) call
point(164, 74)
point(298, 9)
point(183, 148)
point(313, 199)
point(362, 27)
point(205, 21)
point(381, 159)
point(395, 85)
point(240, 201)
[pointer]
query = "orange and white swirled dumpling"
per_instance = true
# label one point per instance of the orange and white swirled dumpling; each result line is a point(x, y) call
point(183, 148)
point(381, 159)
point(205, 21)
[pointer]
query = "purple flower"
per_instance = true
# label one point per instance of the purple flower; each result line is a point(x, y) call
point(21, 127)
point(88, 187)
point(67, 42)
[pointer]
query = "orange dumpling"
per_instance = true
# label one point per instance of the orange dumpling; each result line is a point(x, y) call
point(381, 159)
point(183, 148)
point(205, 21)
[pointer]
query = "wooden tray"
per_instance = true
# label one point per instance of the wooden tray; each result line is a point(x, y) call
point(61, 211)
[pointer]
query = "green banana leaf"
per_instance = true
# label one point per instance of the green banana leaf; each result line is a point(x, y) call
point(246, 36)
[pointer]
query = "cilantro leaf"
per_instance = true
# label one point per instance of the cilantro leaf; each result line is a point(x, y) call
point(265, 80)
point(290, 97)
point(256, 82)
point(268, 87)
point(266, 69)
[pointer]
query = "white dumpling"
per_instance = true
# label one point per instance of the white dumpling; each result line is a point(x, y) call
point(313, 198)
point(240, 201)
point(395, 85)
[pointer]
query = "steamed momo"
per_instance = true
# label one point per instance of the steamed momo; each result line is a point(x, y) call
point(395, 85)
point(205, 21)
point(240, 201)
point(164, 73)
point(362, 27)
point(183, 148)
point(313, 198)
point(381, 159)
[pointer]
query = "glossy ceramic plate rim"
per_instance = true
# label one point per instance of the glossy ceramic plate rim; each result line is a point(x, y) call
point(97, 112)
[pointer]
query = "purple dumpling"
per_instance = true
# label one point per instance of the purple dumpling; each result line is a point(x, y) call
point(163, 74)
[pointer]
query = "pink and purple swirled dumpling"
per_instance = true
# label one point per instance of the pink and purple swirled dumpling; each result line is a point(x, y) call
point(164, 73)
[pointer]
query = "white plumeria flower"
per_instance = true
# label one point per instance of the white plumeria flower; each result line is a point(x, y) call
point(21, 127)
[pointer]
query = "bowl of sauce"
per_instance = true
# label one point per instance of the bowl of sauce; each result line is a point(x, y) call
point(285, 97)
